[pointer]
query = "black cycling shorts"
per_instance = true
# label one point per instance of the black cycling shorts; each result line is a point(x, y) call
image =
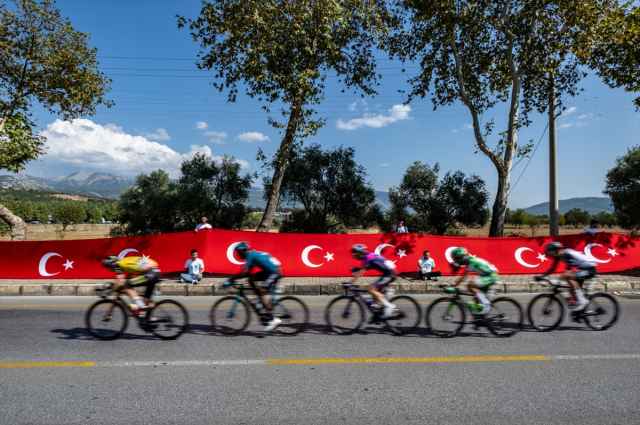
point(385, 279)
point(268, 278)
point(584, 274)
point(149, 279)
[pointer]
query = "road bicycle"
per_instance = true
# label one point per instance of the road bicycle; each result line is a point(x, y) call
point(231, 315)
point(107, 319)
point(546, 311)
point(345, 314)
point(446, 316)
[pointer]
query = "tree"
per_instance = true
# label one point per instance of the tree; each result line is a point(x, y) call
point(69, 213)
point(519, 218)
point(110, 213)
point(561, 220)
point(333, 190)
point(43, 59)
point(438, 204)
point(41, 213)
point(24, 211)
point(94, 215)
point(282, 51)
point(623, 186)
point(576, 217)
point(605, 219)
point(484, 53)
point(534, 222)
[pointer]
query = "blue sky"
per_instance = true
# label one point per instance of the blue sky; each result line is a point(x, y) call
point(167, 118)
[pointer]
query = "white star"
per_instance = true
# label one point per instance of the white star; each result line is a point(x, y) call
point(329, 257)
point(68, 265)
point(401, 253)
point(145, 256)
point(612, 252)
point(542, 257)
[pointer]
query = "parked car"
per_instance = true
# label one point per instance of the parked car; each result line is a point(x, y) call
point(34, 222)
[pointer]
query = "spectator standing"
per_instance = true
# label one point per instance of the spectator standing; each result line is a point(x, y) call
point(426, 266)
point(593, 228)
point(400, 228)
point(194, 267)
point(203, 224)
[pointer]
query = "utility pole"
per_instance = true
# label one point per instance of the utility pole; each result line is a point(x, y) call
point(554, 228)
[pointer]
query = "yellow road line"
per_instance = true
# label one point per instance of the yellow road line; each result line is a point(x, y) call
point(412, 360)
point(51, 364)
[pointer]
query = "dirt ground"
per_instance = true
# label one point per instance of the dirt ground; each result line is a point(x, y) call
point(40, 232)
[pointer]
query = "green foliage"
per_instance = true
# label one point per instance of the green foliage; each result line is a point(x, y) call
point(94, 215)
point(110, 212)
point(4, 228)
point(576, 217)
point(606, 219)
point(534, 223)
point(561, 220)
point(432, 205)
point(251, 221)
point(155, 204)
point(18, 143)
point(333, 189)
point(24, 211)
point(69, 212)
point(519, 218)
point(41, 213)
point(623, 186)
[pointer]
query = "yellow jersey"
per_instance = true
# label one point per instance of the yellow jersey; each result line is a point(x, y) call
point(135, 265)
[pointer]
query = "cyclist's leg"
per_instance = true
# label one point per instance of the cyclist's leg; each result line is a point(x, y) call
point(260, 277)
point(478, 287)
point(379, 297)
point(270, 279)
point(152, 277)
point(135, 297)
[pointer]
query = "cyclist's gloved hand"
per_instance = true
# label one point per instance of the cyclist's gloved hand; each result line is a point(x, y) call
point(456, 265)
point(227, 283)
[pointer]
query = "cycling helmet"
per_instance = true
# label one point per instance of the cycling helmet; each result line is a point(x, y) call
point(553, 247)
point(242, 249)
point(358, 249)
point(460, 253)
point(110, 261)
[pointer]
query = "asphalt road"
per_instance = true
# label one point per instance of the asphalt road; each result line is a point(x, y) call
point(571, 375)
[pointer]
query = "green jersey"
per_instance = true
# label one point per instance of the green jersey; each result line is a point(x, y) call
point(481, 267)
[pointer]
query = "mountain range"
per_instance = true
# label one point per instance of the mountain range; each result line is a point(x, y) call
point(594, 205)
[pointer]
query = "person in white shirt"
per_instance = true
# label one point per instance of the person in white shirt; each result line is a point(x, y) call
point(194, 267)
point(203, 224)
point(593, 228)
point(400, 228)
point(426, 266)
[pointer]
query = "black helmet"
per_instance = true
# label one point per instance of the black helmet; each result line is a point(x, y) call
point(242, 249)
point(553, 247)
point(358, 249)
point(110, 261)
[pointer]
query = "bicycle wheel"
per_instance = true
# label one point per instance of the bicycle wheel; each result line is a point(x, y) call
point(407, 315)
point(344, 314)
point(168, 319)
point(293, 313)
point(505, 317)
point(545, 312)
point(107, 320)
point(445, 317)
point(601, 312)
point(230, 315)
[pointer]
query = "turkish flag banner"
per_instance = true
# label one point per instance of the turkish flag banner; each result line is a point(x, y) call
point(304, 254)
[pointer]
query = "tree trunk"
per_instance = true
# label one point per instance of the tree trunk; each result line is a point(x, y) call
point(18, 226)
point(281, 165)
point(500, 205)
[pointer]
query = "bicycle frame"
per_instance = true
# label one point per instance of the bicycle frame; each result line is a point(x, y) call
point(558, 290)
point(356, 292)
point(239, 297)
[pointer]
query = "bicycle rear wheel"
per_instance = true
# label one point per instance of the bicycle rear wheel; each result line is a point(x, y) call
point(406, 317)
point(545, 312)
point(344, 314)
point(293, 313)
point(505, 317)
point(168, 319)
point(445, 317)
point(106, 320)
point(230, 315)
point(601, 312)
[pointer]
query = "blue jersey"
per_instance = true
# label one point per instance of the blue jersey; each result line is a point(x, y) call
point(262, 260)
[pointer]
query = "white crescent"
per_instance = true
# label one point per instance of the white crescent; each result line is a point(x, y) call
point(305, 256)
point(519, 259)
point(125, 252)
point(230, 257)
point(43, 263)
point(587, 252)
point(447, 254)
point(381, 247)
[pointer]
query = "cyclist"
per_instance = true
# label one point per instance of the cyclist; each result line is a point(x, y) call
point(487, 275)
point(573, 259)
point(376, 262)
point(270, 273)
point(146, 273)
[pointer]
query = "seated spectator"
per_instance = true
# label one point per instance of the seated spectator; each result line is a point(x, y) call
point(193, 268)
point(400, 228)
point(203, 224)
point(426, 266)
point(593, 228)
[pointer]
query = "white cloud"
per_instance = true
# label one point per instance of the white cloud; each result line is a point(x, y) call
point(565, 125)
point(201, 125)
point(386, 164)
point(583, 116)
point(160, 134)
point(251, 137)
point(455, 130)
point(217, 136)
point(84, 143)
point(467, 126)
point(353, 106)
point(570, 110)
point(397, 113)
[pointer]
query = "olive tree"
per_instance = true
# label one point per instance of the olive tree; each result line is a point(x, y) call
point(623, 186)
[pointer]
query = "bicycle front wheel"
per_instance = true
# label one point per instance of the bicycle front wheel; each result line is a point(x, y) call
point(445, 317)
point(230, 315)
point(406, 317)
point(344, 315)
point(601, 312)
point(168, 319)
point(293, 313)
point(545, 312)
point(106, 320)
point(505, 317)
